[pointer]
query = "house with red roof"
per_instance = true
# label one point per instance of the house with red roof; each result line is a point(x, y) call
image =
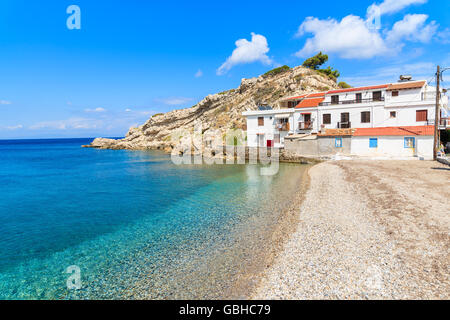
point(392, 105)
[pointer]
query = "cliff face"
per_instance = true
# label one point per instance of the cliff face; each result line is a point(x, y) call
point(221, 111)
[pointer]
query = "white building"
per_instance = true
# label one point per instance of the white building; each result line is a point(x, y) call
point(269, 127)
point(398, 142)
point(402, 104)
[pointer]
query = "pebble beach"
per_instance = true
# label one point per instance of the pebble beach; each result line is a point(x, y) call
point(367, 230)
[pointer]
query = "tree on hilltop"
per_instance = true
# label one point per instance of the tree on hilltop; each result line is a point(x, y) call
point(318, 60)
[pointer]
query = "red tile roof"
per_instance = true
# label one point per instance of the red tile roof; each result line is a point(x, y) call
point(406, 85)
point(382, 86)
point(309, 102)
point(315, 95)
point(396, 131)
point(336, 132)
point(296, 98)
point(307, 95)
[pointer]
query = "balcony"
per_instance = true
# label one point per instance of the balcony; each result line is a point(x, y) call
point(306, 125)
point(351, 101)
point(282, 126)
point(344, 125)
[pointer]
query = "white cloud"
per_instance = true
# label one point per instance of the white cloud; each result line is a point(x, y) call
point(72, 123)
point(355, 37)
point(19, 126)
point(444, 36)
point(127, 110)
point(350, 38)
point(199, 73)
point(390, 73)
point(5, 102)
point(172, 101)
point(412, 28)
point(95, 110)
point(390, 6)
point(247, 52)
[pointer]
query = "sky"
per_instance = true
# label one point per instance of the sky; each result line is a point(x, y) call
point(131, 59)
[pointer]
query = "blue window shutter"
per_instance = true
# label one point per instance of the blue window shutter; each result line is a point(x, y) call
point(373, 143)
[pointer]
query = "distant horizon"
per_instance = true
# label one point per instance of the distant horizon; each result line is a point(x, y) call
point(72, 138)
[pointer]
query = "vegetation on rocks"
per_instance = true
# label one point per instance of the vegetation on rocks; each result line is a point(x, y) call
point(276, 71)
point(344, 85)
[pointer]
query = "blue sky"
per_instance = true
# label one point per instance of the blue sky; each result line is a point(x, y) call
point(131, 59)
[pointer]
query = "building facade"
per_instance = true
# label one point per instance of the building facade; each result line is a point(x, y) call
point(394, 105)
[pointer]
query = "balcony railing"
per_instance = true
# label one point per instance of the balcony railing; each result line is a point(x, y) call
point(344, 125)
point(305, 125)
point(282, 126)
point(351, 101)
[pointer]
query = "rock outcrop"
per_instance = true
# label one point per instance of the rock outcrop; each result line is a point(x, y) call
point(220, 111)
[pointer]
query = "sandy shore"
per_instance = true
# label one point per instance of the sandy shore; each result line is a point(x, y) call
point(367, 230)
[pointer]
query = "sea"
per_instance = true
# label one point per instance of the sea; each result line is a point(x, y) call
point(82, 223)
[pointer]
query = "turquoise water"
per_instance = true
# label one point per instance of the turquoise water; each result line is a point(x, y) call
point(135, 224)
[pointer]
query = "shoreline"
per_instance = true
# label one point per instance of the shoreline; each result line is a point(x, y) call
point(366, 230)
point(247, 282)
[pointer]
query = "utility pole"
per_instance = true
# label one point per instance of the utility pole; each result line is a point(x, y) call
point(436, 115)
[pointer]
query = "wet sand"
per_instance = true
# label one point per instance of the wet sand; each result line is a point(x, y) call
point(367, 230)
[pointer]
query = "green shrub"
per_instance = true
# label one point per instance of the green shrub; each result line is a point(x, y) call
point(276, 71)
point(344, 85)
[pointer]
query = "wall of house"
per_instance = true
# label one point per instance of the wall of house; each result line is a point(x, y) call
point(327, 145)
point(405, 95)
point(406, 116)
point(320, 146)
point(354, 110)
point(346, 96)
point(298, 117)
point(268, 130)
point(393, 147)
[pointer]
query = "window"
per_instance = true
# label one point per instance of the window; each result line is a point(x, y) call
point(365, 116)
point(276, 138)
point(292, 104)
point(338, 142)
point(373, 143)
point(327, 118)
point(421, 115)
point(260, 121)
point(345, 120)
point(376, 96)
point(334, 99)
point(358, 97)
point(410, 142)
point(395, 93)
point(393, 114)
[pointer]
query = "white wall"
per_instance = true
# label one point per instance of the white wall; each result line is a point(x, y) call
point(268, 130)
point(366, 94)
point(375, 109)
point(298, 117)
point(393, 147)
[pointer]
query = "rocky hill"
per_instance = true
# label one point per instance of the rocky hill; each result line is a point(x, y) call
point(221, 111)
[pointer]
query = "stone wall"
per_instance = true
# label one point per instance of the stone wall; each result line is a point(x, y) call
point(318, 147)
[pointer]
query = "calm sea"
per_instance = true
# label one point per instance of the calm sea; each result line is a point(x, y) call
point(136, 225)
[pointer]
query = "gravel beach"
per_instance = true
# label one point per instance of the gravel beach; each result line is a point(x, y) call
point(367, 230)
